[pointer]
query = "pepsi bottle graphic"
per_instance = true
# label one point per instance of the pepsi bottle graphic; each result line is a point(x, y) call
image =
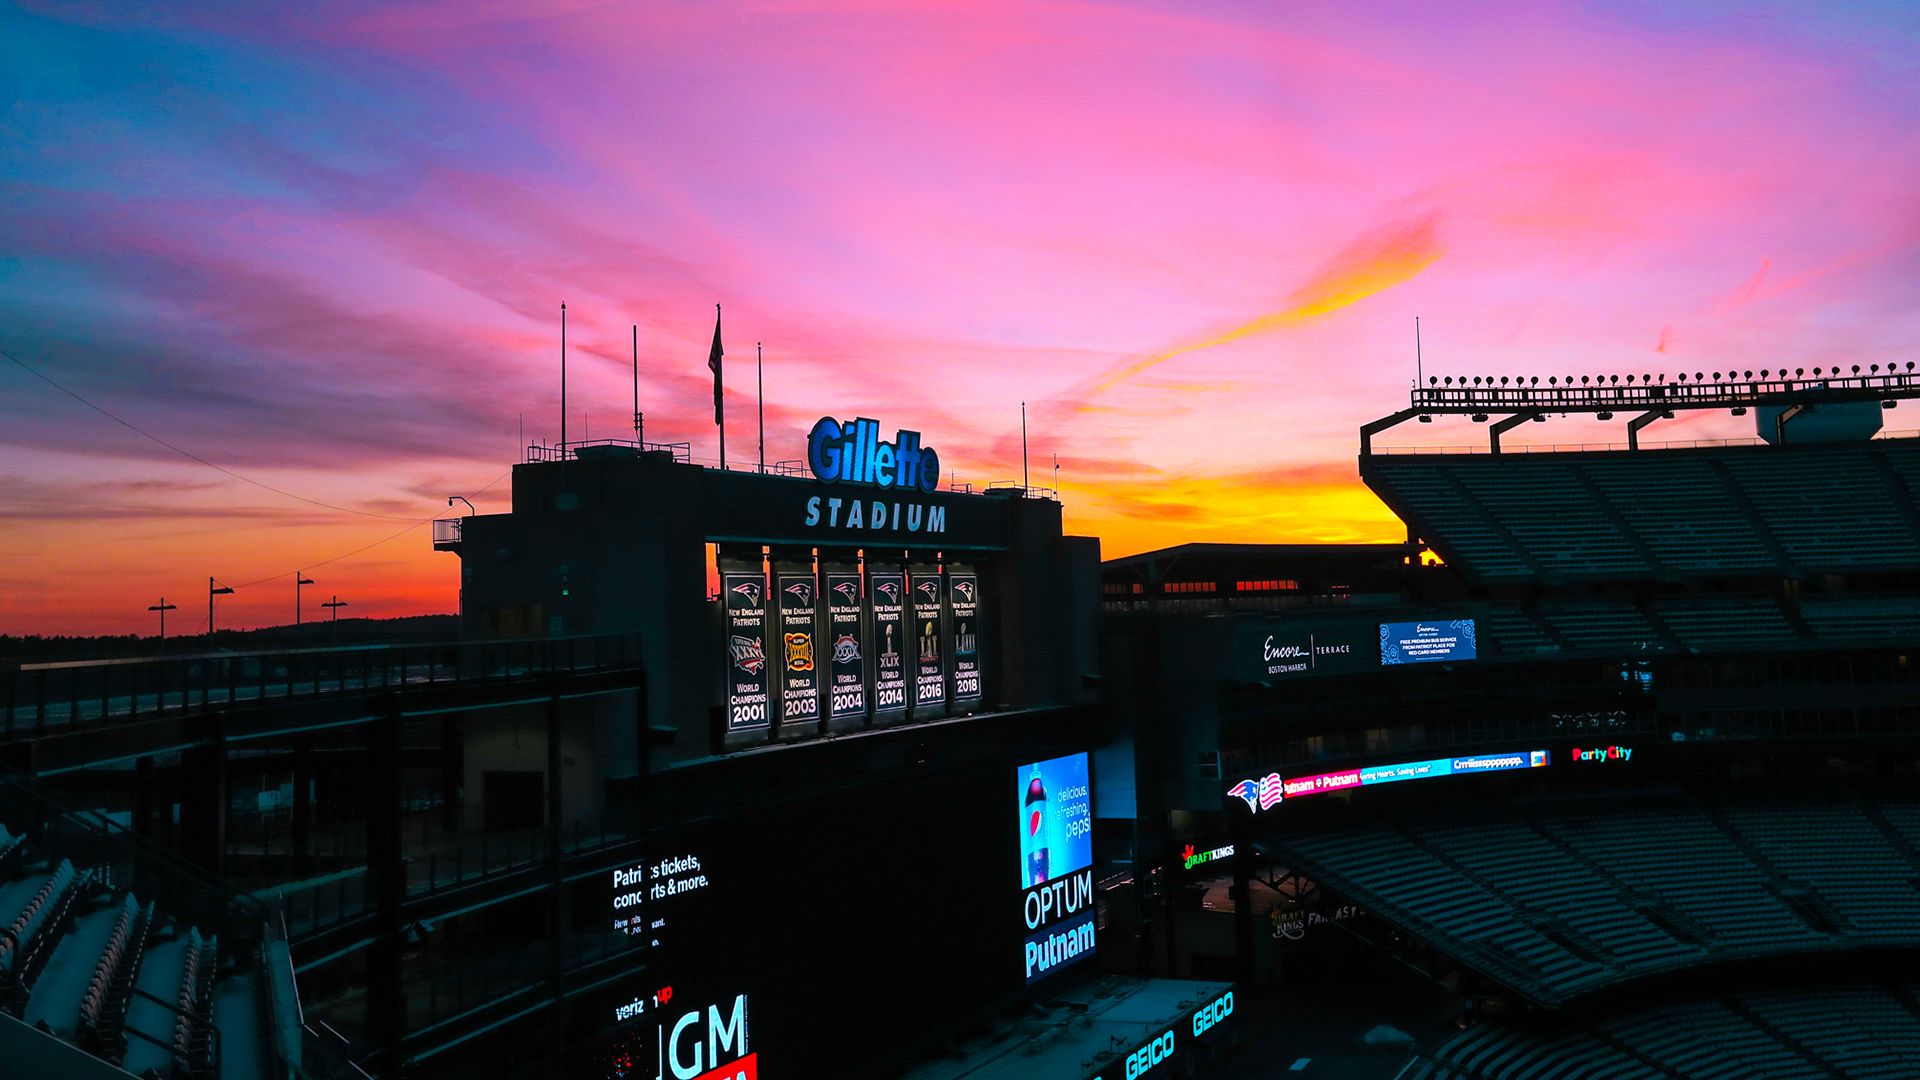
point(1034, 843)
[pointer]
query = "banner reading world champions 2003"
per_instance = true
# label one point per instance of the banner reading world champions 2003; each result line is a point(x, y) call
point(743, 596)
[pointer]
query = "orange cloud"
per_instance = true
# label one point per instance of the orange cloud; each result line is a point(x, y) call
point(1371, 264)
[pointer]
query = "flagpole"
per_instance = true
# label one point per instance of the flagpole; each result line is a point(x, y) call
point(760, 390)
point(563, 384)
point(719, 395)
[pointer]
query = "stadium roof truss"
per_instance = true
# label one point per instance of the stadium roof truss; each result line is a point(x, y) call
point(1517, 401)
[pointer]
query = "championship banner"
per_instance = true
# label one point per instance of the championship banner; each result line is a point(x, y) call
point(887, 594)
point(930, 633)
point(963, 598)
point(744, 610)
point(846, 651)
point(798, 654)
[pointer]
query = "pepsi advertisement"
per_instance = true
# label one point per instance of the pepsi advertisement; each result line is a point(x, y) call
point(963, 589)
point(799, 666)
point(1055, 801)
point(887, 593)
point(743, 597)
point(1427, 642)
point(929, 620)
point(846, 652)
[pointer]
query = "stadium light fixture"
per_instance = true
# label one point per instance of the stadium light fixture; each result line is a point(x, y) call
point(1479, 418)
point(1605, 416)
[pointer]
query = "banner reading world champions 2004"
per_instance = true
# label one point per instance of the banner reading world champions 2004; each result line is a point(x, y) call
point(846, 652)
point(743, 596)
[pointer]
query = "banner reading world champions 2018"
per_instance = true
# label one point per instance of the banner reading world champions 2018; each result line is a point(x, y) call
point(964, 598)
point(743, 596)
point(1055, 800)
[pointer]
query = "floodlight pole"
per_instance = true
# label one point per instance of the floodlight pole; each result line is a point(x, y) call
point(163, 607)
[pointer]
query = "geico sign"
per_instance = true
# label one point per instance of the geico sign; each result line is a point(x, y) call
point(1213, 1014)
point(1149, 1055)
point(692, 1047)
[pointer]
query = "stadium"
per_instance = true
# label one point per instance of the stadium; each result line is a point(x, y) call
point(721, 766)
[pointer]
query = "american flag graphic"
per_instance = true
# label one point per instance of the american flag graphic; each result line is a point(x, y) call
point(1270, 791)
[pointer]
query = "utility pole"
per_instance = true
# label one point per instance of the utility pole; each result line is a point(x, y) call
point(211, 593)
point(300, 578)
point(163, 607)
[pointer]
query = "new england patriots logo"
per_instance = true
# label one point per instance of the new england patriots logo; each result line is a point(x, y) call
point(801, 591)
point(750, 590)
point(964, 590)
point(849, 591)
point(890, 590)
point(929, 588)
point(1248, 790)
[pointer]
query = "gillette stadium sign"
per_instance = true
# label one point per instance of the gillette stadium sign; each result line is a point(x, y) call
point(859, 488)
point(854, 454)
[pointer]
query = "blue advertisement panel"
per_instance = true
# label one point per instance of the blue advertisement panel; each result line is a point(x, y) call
point(1055, 803)
point(1428, 641)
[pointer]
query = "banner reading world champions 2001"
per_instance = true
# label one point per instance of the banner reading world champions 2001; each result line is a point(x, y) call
point(743, 596)
point(846, 652)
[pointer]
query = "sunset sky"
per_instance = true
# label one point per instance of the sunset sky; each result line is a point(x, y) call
point(324, 247)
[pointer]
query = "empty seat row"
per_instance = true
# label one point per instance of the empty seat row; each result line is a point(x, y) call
point(193, 1028)
point(104, 1005)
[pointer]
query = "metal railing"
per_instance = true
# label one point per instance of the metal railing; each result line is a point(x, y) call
point(71, 696)
point(682, 452)
point(1563, 448)
point(446, 532)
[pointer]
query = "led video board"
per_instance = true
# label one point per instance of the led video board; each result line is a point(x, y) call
point(846, 651)
point(887, 595)
point(963, 598)
point(1055, 801)
point(799, 651)
point(1432, 769)
point(743, 595)
point(1427, 642)
point(930, 631)
point(1166, 1046)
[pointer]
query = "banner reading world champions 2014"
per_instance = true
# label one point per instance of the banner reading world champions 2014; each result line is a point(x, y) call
point(887, 592)
point(743, 595)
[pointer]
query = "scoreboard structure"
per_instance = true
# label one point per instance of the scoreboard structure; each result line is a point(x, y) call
point(850, 594)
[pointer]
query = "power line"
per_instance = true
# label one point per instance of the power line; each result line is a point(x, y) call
point(190, 455)
point(368, 547)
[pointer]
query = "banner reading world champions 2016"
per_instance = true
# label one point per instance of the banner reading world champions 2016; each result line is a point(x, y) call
point(846, 652)
point(929, 621)
point(887, 592)
point(964, 598)
point(744, 598)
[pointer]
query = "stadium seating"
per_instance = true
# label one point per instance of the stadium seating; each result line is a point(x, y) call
point(73, 951)
point(1566, 899)
point(1790, 1029)
point(1653, 514)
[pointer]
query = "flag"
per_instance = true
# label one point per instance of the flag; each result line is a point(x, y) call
point(713, 361)
point(1270, 791)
